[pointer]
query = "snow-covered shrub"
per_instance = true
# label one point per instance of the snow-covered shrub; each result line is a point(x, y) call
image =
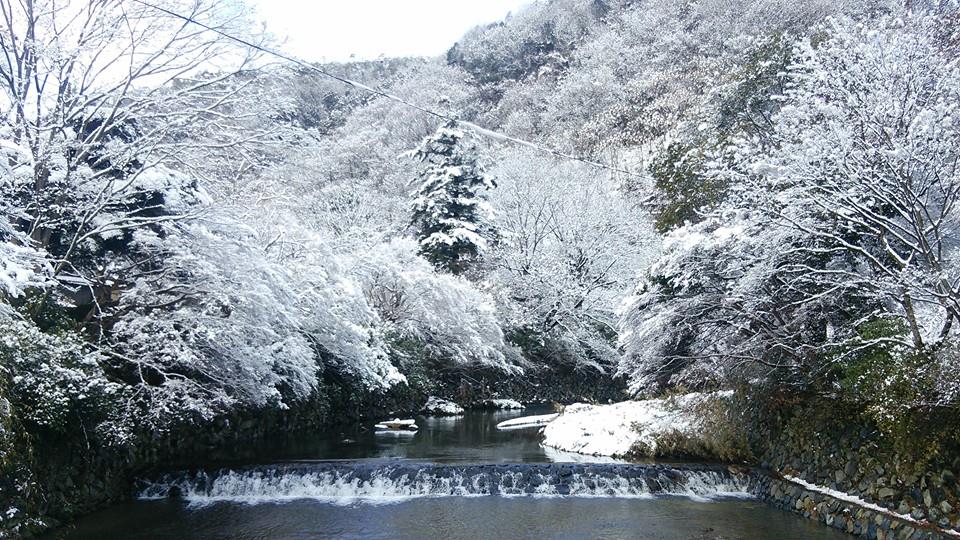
point(455, 322)
point(57, 383)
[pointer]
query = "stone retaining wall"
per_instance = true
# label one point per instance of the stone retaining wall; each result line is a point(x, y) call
point(843, 515)
point(829, 445)
point(67, 479)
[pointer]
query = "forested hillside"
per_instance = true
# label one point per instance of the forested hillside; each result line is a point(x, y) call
point(190, 228)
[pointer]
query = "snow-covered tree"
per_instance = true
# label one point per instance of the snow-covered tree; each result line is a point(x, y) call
point(721, 304)
point(838, 236)
point(454, 322)
point(866, 162)
point(225, 323)
point(570, 247)
point(450, 211)
point(93, 93)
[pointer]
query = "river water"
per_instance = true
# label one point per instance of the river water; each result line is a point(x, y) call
point(457, 478)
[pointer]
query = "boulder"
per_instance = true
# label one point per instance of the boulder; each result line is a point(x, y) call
point(437, 406)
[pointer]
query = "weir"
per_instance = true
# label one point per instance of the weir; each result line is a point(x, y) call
point(379, 481)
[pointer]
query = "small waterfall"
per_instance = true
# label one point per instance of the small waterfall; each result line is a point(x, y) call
point(347, 483)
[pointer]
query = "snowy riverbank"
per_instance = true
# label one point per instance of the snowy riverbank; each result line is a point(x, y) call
point(617, 429)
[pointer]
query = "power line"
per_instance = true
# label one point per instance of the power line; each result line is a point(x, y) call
point(349, 82)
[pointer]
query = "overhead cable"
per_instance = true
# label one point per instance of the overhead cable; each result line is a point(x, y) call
point(493, 134)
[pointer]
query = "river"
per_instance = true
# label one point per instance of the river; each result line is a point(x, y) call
point(457, 478)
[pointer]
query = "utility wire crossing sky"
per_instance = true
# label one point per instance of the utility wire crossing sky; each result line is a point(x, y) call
point(443, 116)
point(341, 30)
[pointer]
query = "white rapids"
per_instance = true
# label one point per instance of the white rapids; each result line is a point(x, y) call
point(341, 483)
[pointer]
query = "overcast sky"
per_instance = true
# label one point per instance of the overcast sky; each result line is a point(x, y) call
point(334, 30)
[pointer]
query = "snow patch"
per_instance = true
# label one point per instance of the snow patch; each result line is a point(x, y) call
point(613, 430)
point(441, 407)
point(853, 499)
point(503, 404)
point(527, 422)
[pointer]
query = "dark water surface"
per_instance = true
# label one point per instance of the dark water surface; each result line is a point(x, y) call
point(466, 518)
point(470, 439)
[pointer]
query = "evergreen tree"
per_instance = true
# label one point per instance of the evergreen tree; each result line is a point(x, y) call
point(450, 213)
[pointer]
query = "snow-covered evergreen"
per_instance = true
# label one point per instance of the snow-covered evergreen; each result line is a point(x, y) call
point(451, 214)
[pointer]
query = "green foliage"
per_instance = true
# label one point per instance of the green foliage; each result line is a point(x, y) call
point(48, 314)
point(920, 441)
point(748, 108)
point(55, 383)
point(883, 375)
point(529, 340)
point(684, 191)
point(896, 388)
point(427, 369)
point(413, 358)
point(927, 435)
point(577, 353)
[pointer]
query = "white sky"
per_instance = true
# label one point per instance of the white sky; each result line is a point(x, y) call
point(333, 30)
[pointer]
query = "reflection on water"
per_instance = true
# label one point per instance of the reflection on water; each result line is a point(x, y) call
point(470, 438)
point(466, 518)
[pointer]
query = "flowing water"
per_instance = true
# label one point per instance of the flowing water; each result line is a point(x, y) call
point(457, 478)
